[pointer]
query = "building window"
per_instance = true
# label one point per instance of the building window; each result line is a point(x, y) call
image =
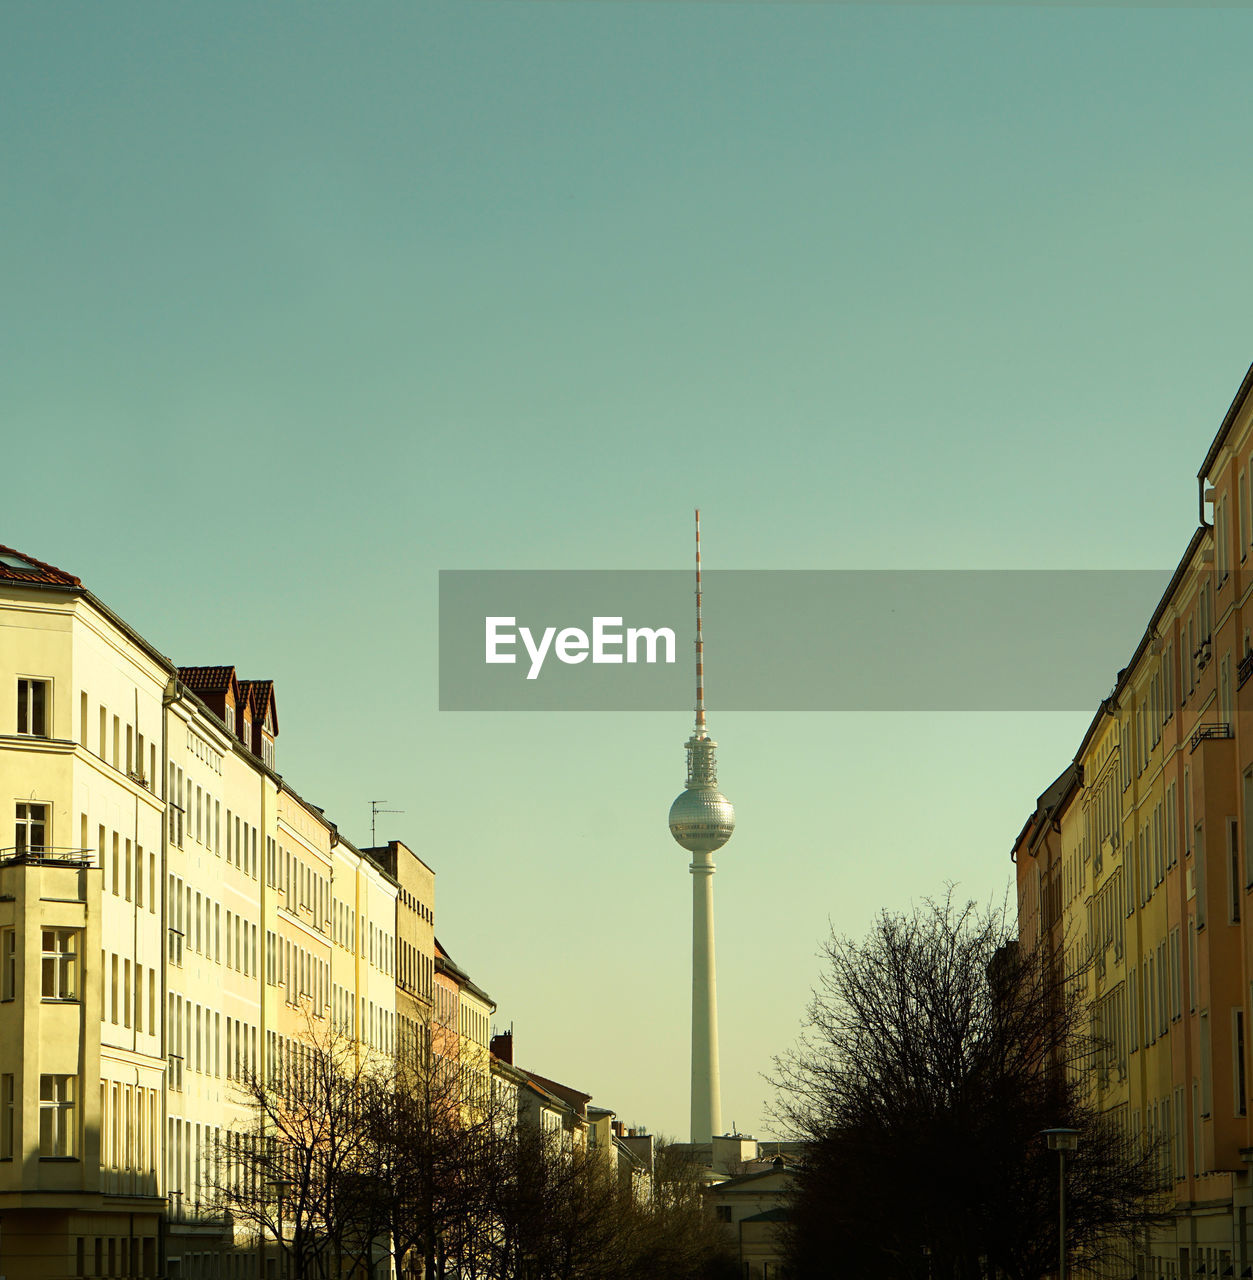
point(1207, 1079)
point(8, 964)
point(56, 1117)
point(32, 707)
point(7, 1098)
point(31, 831)
point(60, 964)
point(1233, 871)
point(1237, 1052)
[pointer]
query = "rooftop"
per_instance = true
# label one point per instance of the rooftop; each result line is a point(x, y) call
point(16, 567)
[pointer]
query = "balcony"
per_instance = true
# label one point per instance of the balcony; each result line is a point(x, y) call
point(1244, 670)
point(1209, 732)
point(46, 855)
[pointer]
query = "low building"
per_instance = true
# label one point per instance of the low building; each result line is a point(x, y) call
point(753, 1208)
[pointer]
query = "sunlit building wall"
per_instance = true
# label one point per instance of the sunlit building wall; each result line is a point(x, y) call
point(1154, 886)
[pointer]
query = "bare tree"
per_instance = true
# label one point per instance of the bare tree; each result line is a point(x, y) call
point(294, 1173)
point(352, 1158)
point(676, 1235)
point(935, 1053)
point(432, 1141)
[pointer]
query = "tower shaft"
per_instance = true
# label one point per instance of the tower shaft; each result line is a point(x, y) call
point(706, 1084)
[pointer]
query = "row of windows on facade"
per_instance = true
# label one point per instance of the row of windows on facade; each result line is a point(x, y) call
point(415, 904)
point(127, 880)
point(304, 975)
point(376, 943)
point(195, 924)
point(305, 891)
point(124, 751)
point(34, 718)
point(130, 1129)
point(196, 814)
point(58, 966)
point(58, 1137)
point(377, 1024)
point(1157, 839)
point(102, 1256)
point(416, 970)
point(1177, 1131)
point(1136, 1015)
point(1156, 850)
point(1141, 728)
point(474, 1025)
point(198, 1044)
point(193, 813)
point(1222, 524)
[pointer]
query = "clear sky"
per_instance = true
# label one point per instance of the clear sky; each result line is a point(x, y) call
point(304, 303)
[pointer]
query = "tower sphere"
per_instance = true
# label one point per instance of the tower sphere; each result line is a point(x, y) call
point(702, 819)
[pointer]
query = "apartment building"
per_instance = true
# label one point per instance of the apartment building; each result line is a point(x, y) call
point(231, 922)
point(415, 945)
point(82, 1063)
point(461, 1030)
point(1140, 856)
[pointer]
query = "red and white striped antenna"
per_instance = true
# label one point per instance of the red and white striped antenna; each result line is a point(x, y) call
point(700, 643)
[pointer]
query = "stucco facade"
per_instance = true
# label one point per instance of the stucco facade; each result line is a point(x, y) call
point(1140, 856)
point(175, 922)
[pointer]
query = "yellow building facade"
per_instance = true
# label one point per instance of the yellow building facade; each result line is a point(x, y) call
point(175, 921)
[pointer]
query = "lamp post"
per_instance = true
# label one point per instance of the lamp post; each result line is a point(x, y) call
point(1061, 1141)
point(280, 1186)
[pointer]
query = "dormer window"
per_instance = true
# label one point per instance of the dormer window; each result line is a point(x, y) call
point(267, 750)
point(248, 733)
point(230, 719)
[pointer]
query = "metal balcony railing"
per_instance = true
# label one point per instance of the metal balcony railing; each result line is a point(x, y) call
point(48, 855)
point(1208, 732)
point(1244, 670)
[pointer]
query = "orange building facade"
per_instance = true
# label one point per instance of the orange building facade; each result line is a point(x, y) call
point(1139, 858)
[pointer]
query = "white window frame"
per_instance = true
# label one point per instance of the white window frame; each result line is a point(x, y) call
point(27, 823)
point(56, 1117)
point(59, 964)
point(26, 707)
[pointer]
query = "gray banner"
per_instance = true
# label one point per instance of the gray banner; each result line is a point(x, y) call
point(777, 640)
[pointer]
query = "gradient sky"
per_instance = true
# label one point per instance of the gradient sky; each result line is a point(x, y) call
point(304, 303)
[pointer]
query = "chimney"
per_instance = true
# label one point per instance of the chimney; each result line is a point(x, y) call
point(502, 1046)
point(619, 1129)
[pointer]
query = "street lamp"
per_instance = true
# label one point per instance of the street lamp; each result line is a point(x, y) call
point(1061, 1141)
point(280, 1186)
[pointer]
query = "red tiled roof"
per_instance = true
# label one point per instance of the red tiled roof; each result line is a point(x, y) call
point(15, 566)
point(262, 693)
point(575, 1097)
point(207, 679)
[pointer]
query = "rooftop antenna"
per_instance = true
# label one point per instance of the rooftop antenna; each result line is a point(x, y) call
point(376, 807)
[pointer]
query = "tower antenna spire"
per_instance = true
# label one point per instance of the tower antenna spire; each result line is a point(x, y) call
point(700, 644)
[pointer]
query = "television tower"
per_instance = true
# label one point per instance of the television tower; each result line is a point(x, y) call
point(701, 820)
